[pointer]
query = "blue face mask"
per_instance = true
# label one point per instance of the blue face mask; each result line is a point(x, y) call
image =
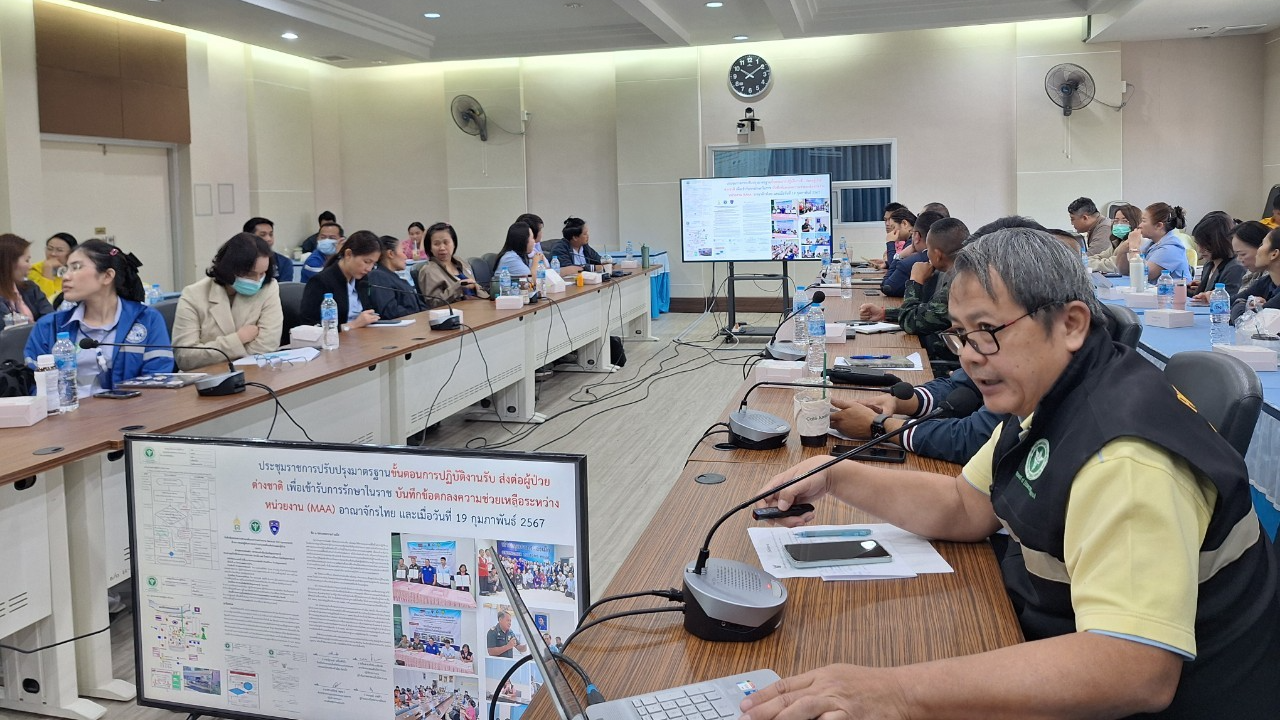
point(1121, 230)
point(247, 287)
point(326, 246)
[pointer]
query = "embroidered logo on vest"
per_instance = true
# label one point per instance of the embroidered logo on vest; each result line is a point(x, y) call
point(137, 333)
point(1037, 461)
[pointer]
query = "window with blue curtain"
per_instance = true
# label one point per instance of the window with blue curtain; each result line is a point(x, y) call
point(861, 174)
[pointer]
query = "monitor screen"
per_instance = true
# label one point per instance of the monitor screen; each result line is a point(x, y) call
point(740, 219)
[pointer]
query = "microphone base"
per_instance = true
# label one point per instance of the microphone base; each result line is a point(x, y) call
point(732, 602)
point(450, 322)
point(757, 430)
point(784, 350)
point(228, 383)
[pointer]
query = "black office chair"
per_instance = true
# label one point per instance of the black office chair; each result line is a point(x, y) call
point(483, 270)
point(13, 340)
point(1226, 392)
point(168, 309)
point(1271, 200)
point(1123, 325)
point(291, 305)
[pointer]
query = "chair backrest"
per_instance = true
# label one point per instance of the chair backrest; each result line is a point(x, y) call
point(291, 305)
point(1123, 325)
point(1271, 201)
point(483, 270)
point(168, 309)
point(1226, 391)
point(13, 340)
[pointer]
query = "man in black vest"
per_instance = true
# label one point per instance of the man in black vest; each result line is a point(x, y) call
point(1136, 565)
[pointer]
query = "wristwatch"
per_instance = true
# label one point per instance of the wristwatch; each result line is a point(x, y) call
point(345, 327)
point(877, 425)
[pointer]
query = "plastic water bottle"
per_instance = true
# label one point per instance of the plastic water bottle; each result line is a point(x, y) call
point(801, 316)
point(504, 282)
point(816, 355)
point(555, 265)
point(329, 322)
point(1164, 291)
point(844, 249)
point(64, 356)
point(542, 280)
point(153, 294)
point(846, 279)
point(826, 267)
point(1219, 316)
point(1138, 273)
point(47, 382)
point(631, 253)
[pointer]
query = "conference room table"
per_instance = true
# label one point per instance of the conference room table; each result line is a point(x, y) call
point(63, 506)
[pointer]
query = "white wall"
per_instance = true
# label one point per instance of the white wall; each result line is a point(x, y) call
point(1271, 113)
point(20, 183)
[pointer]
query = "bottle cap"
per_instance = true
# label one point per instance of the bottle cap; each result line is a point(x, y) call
point(328, 296)
point(1165, 272)
point(44, 360)
point(64, 336)
point(1219, 286)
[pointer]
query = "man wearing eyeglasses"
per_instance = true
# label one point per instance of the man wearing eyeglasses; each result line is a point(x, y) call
point(1137, 567)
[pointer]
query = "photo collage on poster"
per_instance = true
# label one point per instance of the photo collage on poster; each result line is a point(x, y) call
point(801, 228)
point(454, 634)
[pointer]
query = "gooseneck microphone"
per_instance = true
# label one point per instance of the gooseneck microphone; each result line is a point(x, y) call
point(227, 383)
point(759, 430)
point(789, 350)
point(727, 600)
point(452, 321)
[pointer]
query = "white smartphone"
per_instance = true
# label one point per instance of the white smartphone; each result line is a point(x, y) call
point(841, 552)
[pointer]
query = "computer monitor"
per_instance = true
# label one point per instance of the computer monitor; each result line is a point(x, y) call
point(562, 695)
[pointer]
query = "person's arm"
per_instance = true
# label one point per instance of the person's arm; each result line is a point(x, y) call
point(270, 322)
point(36, 301)
point(895, 281)
point(154, 359)
point(1231, 275)
point(921, 317)
point(187, 323)
point(952, 439)
point(312, 296)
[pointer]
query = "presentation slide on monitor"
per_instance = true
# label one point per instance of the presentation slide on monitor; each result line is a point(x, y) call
point(786, 217)
point(285, 581)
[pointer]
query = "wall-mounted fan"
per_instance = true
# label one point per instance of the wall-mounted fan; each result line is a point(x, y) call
point(1069, 86)
point(470, 117)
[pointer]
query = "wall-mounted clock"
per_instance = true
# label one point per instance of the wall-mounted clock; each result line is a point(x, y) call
point(749, 76)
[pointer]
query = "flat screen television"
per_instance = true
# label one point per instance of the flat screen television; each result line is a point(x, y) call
point(755, 219)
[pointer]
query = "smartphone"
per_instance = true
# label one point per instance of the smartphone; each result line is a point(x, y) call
point(842, 552)
point(385, 322)
point(878, 453)
point(871, 293)
point(773, 513)
point(116, 394)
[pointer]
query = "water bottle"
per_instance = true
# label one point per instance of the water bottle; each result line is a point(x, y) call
point(1179, 293)
point(817, 353)
point(153, 294)
point(826, 267)
point(504, 282)
point(1138, 273)
point(1164, 291)
point(542, 280)
point(64, 356)
point(844, 249)
point(47, 382)
point(631, 254)
point(846, 279)
point(329, 322)
point(555, 265)
point(801, 316)
point(1219, 316)
point(644, 256)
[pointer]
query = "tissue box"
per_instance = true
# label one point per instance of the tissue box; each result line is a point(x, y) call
point(1258, 358)
point(590, 278)
point(1269, 321)
point(305, 334)
point(1110, 293)
point(509, 302)
point(27, 410)
point(837, 333)
point(628, 264)
point(779, 370)
point(1170, 318)
point(442, 313)
point(1140, 300)
point(554, 283)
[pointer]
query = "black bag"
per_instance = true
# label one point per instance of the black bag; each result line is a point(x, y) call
point(16, 379)
point(617, 356)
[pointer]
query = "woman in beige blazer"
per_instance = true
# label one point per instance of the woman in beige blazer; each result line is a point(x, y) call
point(446, 277)
point(235, 309)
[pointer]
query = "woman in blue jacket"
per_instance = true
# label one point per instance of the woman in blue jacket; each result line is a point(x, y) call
point(103, 282)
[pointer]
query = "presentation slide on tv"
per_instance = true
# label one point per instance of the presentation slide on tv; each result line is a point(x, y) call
point(283, 582)
point(758, 218)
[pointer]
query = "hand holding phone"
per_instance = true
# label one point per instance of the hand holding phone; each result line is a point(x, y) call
point(773, 513)
point(876, 453)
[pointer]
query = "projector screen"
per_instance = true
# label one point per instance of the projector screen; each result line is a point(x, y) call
point(303, 581)
point(782, 217)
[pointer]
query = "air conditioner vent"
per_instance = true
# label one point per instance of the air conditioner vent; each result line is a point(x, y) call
point(1237, 30)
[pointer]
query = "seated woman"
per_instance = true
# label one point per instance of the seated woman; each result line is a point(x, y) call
point(1265, 291)
point(574, 251)
point(327, 242)
point(102, 280)
point(21, 301)
point(1165, 250)
point(535, 224)
point(1124, 234)
point(391, 296)
point(47, 273)
point(345, 275)
point(517, 252)
point(445, 277)
point(235, 309)
point(414, 247)
point(1213, 243)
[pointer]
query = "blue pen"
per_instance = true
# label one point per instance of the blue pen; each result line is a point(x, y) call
point(869, 357)
point(835, 532)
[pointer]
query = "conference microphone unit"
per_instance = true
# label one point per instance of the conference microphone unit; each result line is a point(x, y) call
point(784, 350)
point(731, 601)
point(759, 430)
point(227, 383)
point(452, 321)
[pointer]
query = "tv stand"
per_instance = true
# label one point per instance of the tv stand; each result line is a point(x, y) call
point(731, 328)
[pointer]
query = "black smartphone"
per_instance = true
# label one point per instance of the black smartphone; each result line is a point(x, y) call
point(871, 293)
point(877, 453)
point(116, 394)
point(841, 552)
point(385, 322)
point(773, 513)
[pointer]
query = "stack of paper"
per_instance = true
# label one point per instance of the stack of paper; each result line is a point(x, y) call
point(911, 553)
point(295, 356)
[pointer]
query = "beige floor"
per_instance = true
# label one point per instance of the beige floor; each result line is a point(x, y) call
point(636, 441)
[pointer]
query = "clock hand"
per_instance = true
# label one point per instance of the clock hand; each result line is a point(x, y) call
point(752, 74)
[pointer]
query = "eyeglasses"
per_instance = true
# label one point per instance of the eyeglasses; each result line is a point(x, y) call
point(983, 341)
point(276, 362)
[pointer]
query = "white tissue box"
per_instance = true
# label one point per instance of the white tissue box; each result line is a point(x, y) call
point(1258, 358)
point(837, 333)
point(1269, 321)
point(779, 370)
point(590, 278)
point(1140, 299)
point(509, 302)
point(628, 264)
point(554, 283)
point(305, 334)
point(1170, 318)
point(23, 411)
point(442, 313)
point(1110, 293)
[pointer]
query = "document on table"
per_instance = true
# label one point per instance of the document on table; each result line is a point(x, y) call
point(393, 323)
point(296, 355)
point(911, 553)
point(913, 358)
point(878, 327)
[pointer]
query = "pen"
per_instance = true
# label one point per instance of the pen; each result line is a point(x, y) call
point(868, 357)
point(836, 532)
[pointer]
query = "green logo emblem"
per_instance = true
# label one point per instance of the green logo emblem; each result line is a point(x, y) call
point(149, 452)
point(1037, 459)
point(255, 526)
point(151, 581)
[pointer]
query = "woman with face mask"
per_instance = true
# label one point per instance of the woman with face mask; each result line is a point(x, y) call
point(235, 309)
point(1124, 231)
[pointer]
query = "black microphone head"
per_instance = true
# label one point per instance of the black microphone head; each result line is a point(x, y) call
point(88, 343)
point(903, 391)
point(961, 402)
point(818, 296)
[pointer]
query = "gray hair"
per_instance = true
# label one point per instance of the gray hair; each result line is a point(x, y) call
point(1038, 270)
